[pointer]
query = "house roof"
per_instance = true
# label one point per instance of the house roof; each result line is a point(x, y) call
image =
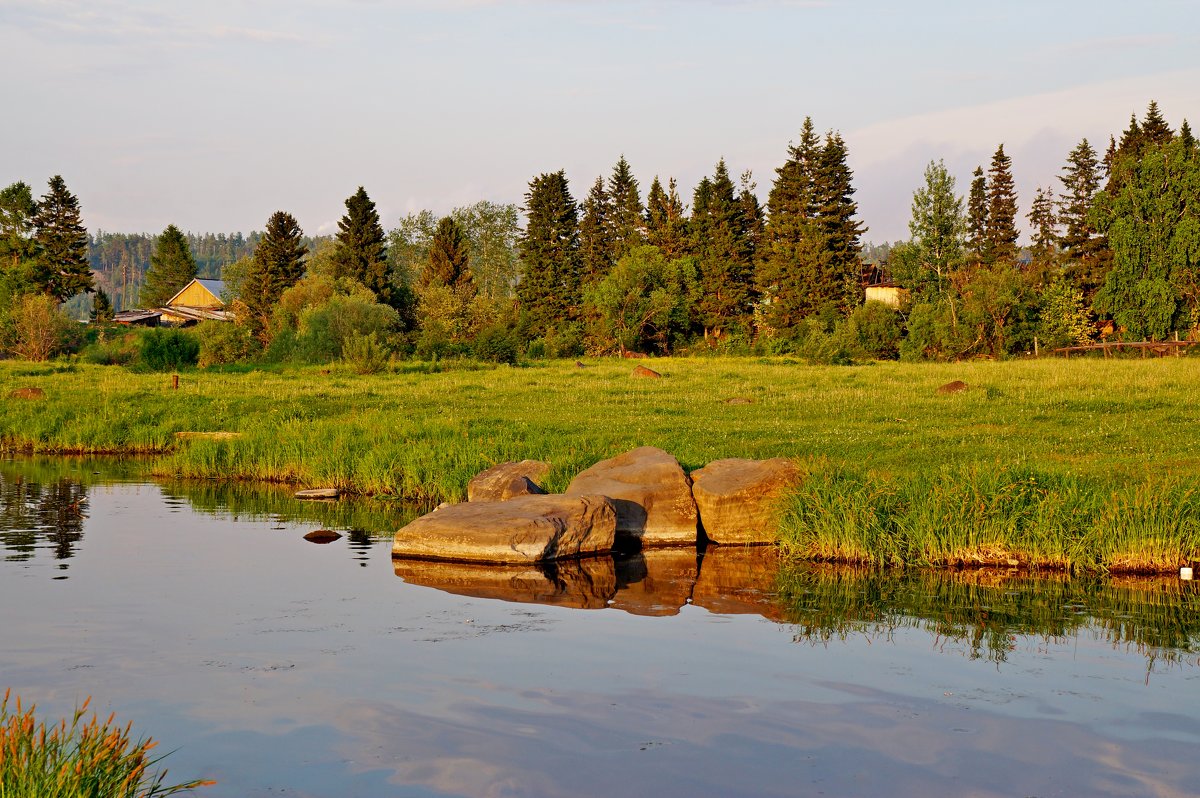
point(214, 287)
point(195, 314)
point(134, 316)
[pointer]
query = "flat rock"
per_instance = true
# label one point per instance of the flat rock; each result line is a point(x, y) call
point(27, 393)
point(318, 493)
point(642, 371)
point(739, 400)
point(503, 481)
point(958, 386)
point(216, 435)
point(587, 583)
point(738, 499)
point(524, 529)
point(652, 496)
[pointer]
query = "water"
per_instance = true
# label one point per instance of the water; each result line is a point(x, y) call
point(284, 668)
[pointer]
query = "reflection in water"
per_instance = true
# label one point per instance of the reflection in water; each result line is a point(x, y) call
point(40, 515)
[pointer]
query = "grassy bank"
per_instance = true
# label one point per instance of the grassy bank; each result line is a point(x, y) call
point(1080, 463)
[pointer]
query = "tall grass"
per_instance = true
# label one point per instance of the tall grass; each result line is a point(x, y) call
point(77, 759)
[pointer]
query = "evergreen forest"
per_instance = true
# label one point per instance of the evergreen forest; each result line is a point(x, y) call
point(618, 267)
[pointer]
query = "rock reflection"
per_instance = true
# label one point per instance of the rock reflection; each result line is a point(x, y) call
point(41, 515)
point(655, 582)
point(739, 580)
point(584, 584)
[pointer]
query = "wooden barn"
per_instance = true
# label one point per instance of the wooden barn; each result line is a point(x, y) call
point(199, 300)
point(889, 294)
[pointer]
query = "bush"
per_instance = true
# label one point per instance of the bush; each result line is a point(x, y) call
point(37, 328)
point(876, 329)
point(365, 353)
point(222, 342)
point(496, 345)
point(119, 347)
point(166, 349)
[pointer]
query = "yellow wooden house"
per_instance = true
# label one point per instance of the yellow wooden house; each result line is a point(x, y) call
point(199, 300)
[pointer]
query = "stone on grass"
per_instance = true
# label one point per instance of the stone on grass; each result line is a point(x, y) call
point(506, 480)
point(652, 495)
point(642, 371)
point(524, 529)
point(27, 393)
point(958, 386)
point(739, 499)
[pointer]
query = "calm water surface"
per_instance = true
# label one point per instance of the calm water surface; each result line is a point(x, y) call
point(280, 667)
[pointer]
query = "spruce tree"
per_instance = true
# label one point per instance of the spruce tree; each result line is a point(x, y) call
point(448, 258)
point(172, 266)
point(718, 242)
point(752, 219)
point(836, 210)
point(18, 220)
point(102, 309)
point(1155, 130)
point(549, 247)
point(1189, 140)
point(361, 251)
point(666, 227)
point(596, 242)
point(61, 269)
point(626, 210)
point(1085, 251)
point(1044, 223)
point(977, 216)
point(1002, 233)
point(277, 265)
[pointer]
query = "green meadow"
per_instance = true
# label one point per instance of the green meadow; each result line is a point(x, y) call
point(1082, 464)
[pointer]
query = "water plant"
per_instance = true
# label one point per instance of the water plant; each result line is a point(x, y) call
point(80, 758)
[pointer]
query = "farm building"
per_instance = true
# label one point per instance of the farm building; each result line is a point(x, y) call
point(889, 294)
point(199, 300)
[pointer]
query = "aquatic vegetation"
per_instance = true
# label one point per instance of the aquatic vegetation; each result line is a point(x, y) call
point(77, 759)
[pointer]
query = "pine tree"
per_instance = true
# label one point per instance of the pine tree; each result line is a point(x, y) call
point(61, 269)
point(1189, 140)
point(666, 227)
point(596, 241)
point(1131, 139)
point(1002, 233)
point(361, 251)
point(549, 246)
point(448, 258)
point(1085, 251)
point(752, 219)
point(718, 241)
point(277, 265)
point(172, 266)
point(626, 210)
point(102, 309)
point(977, 216)
point(836, 210)
point(1155, 130)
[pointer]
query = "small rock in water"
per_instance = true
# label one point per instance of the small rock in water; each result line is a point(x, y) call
point(322, 536)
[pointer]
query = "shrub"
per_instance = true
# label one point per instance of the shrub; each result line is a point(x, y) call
point(166, 349)
point(496, 345)
point(876, 328)
point(38, 328)
point(365, 353)
point(113, 348)
point(222, 342)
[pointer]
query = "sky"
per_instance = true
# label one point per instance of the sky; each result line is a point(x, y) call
point(212, 115)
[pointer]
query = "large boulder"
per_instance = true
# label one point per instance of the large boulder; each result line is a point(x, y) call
point(503, 481)
point(587, 583)
point(652, 495)
point(525, 529)
point(739, 499)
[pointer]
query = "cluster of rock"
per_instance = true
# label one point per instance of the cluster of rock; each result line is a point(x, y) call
point(641, 499)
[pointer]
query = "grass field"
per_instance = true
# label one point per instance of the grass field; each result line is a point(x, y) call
point(1083, 463)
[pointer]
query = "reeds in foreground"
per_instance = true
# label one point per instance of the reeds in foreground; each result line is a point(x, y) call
point(79, 759)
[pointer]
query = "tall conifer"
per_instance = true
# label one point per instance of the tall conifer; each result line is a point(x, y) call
point(61, 269)
point(718, 241)
point(1155, 130)
point(837, 210)
point(448, 258)
point(1044, 223)
point(628, 230)
point(361, 251)
point(596, 242)
point(172, 266)
point(666, 227)
point(549, 246)
point(1084, 249)
point(1002, 233)
point(277, 265)
point(977, 216)
point(752, 219)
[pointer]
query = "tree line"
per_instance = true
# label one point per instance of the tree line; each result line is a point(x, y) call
point(1114, 249)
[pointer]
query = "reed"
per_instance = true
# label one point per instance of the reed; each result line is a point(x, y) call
point(80, 758)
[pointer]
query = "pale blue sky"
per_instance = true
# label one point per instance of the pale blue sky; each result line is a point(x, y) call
point(211, 115)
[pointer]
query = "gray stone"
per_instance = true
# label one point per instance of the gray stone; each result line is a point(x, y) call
point(524, 529)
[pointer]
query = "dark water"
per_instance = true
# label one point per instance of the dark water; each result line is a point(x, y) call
point(284, 668)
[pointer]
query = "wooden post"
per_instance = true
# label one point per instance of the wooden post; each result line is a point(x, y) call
point(175, 382)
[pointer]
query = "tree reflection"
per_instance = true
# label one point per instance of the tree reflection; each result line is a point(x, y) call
point(41, 515)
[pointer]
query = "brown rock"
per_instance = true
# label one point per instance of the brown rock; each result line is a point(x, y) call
point(217, 435)
point(586, 583)
point(738, 500)
point(318, 493)
point(958, 386)
point(739, 400)
point(503, 481)
point(652, 495)
point(27, 393)
point(739, 580)
point(655, 582)
point(525, 529)
point(322, 536)
point(642, 371)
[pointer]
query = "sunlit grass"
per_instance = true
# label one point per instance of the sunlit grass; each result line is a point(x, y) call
point(80, 758)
